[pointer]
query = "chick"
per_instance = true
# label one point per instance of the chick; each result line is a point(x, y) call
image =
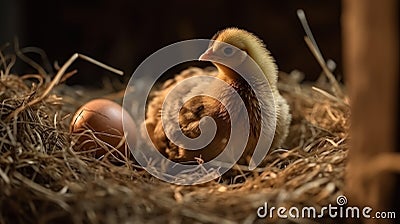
point(197, 106)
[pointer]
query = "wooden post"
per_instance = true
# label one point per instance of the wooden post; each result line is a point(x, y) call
point(370, 46)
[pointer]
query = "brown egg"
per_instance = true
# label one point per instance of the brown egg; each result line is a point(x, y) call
point(104, 118)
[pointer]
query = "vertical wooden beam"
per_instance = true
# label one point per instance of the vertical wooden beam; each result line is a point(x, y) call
point(370, 47)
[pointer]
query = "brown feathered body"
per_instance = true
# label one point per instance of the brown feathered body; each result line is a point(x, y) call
point(197, 106)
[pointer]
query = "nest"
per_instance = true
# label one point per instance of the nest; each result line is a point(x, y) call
point(43, 180)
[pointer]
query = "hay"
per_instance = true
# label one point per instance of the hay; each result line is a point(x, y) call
point(43, 181)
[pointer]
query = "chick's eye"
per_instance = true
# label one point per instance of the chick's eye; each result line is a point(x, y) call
point(228, 51)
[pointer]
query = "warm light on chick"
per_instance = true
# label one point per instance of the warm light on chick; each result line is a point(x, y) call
point(193, 110)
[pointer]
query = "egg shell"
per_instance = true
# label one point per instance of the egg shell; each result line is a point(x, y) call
point(105, 118)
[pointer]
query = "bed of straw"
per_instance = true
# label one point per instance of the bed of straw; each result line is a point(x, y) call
point(42, 180)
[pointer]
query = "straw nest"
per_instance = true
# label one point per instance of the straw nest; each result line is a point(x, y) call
point(42, 180)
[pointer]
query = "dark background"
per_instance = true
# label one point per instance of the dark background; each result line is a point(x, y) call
point(123, 33)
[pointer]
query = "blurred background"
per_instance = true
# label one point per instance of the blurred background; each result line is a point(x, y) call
point(123, 33)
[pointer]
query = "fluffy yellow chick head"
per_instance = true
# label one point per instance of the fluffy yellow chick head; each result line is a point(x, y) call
point(231, 47)
point(226, 48)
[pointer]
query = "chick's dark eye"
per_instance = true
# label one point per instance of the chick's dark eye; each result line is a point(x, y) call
point(228, 51)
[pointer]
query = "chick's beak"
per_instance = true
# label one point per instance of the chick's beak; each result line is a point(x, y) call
point(207, 56)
